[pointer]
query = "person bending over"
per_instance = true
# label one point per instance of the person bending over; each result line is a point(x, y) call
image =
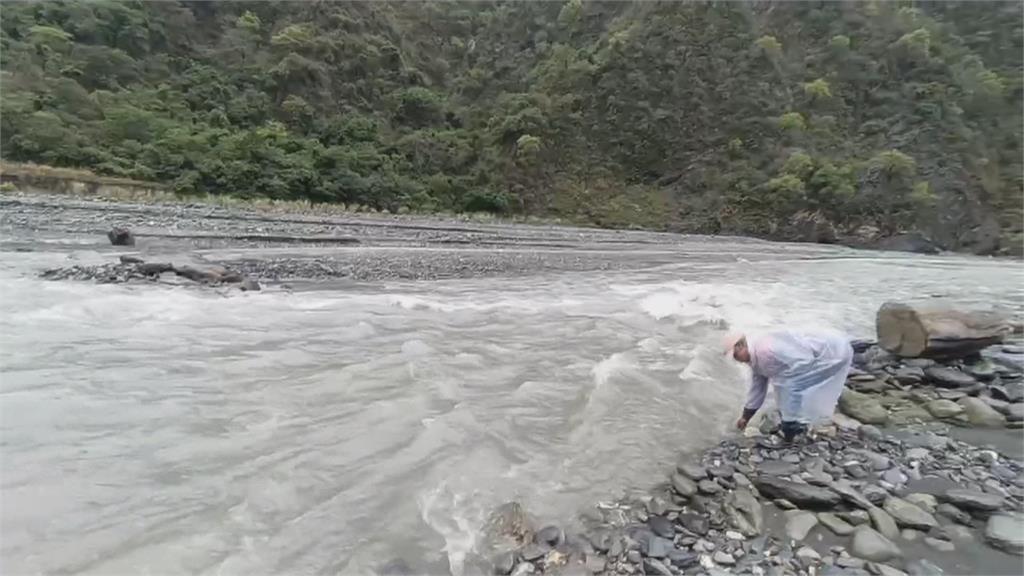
point(806, 368)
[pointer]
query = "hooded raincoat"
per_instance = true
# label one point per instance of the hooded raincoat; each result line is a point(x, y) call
point(807, 369)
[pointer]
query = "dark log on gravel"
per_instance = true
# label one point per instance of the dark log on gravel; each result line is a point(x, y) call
point(914, 330)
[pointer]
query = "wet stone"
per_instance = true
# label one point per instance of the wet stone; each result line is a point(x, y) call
point(692, 470)
point(940, 545)
point(696, 523)
point(550, 535)
point(723, 558)
point(708, 487)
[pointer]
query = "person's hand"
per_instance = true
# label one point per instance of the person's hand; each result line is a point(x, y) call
point(741, 424)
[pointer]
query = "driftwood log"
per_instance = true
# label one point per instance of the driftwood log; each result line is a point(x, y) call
point(935, 331)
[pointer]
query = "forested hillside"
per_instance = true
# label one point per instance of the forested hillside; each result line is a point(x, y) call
point(780, 119)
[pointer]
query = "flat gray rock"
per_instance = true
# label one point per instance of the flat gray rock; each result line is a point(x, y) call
point(692, 470)
point(851, 494)
point(1006, 532)
point(926, 502)
point(944, 377)
point(684, 485)
point(802, 495)
point(745, 512)
point(979, 413)
point(884, 523)
point(799, 523)
point(870, 545)
point(928, 440)
point(966, 499)
point(942, 408)
point(939, 545)
point(837, 525)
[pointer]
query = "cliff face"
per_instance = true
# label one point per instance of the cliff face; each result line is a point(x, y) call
point(867, 119)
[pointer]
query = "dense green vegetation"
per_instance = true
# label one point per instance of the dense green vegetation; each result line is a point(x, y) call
point(758, 118)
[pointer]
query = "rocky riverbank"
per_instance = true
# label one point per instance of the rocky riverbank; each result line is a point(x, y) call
point(850, 499)
point(275, 247)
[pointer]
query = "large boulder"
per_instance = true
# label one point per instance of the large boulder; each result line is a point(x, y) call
point(981, 414)
point(862, 407)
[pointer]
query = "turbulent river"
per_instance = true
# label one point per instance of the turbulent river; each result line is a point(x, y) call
point(163, 429)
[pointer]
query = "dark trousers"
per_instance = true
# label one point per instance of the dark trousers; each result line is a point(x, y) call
point(792, 429)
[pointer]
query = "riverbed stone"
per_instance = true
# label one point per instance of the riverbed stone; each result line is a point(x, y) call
point(926, 502)
point(981, 414)
point(802, 495)
point(807, 556)
point(684, 485)
point(709, 487)
point(523, 569)
point(944, 408)
point(967, 499)
point(692, 470)
point(799, 523)
point(939, 545)
point(929, 440)
point(884, 523)
point(696, 523)
point(683, 559)
point(550, 535)
point(1012, 392)
point(862, 407)
point(661, 526)
point(837, 525)
point(871, 545)
point(534, 551)
point(856, 517)
point(850, 494)
point(1015, 412)
point(723, 558)
point(870, 433)
point(745, 512)
point(909, 374)
point(875, 460)
point(908, 515)
point(945, 377)
point(875, 494)
point(653, 567)
point(1006, 532)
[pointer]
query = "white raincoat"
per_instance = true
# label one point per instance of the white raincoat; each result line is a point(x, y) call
point(807, 369)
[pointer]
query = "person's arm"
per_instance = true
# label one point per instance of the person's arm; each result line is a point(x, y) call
point(755, 398)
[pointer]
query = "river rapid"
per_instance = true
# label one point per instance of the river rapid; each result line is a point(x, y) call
point(152, 429)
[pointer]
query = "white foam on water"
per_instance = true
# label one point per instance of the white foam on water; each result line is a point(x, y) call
point(457, 518)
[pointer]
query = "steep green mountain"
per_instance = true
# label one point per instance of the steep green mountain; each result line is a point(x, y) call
point(781, 119)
